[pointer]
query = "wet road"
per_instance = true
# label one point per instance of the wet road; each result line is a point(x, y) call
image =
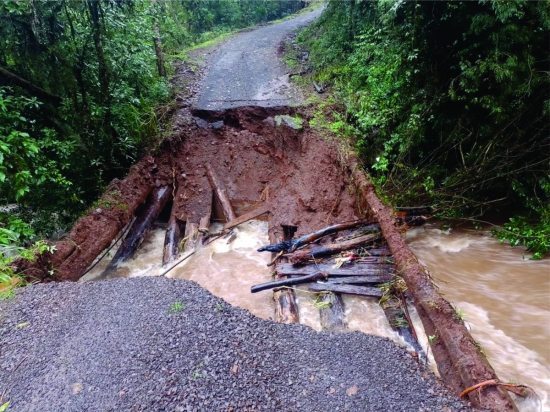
point(247, 69)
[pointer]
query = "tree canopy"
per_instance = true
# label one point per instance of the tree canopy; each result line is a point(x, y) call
point(447, 102)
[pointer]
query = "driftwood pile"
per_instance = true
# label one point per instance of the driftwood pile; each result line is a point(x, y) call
point(352, 264)
point(357, 262)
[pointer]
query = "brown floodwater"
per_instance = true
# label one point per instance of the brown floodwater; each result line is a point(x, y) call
point(503, 296)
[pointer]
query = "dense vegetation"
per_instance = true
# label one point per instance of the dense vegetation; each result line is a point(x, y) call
point(448, 103)
point(82, 89)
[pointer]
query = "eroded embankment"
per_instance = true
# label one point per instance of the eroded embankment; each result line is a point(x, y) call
point(294, 171)
point(264, 156)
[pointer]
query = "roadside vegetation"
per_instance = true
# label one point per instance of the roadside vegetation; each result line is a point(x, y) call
point(84, 92)
point(447, 103)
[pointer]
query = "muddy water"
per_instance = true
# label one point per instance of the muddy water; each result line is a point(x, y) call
point(229, 266)
point(504, 298)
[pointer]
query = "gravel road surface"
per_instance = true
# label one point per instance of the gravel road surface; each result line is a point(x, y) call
point(247, 70)
point(152, 344)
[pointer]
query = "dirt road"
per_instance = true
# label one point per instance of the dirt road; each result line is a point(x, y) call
point(248, 71)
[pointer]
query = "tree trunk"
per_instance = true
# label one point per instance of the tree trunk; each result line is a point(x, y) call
point(171, 240)
point(221, 194)
point(8, 78)
point(286, 309)
point(333, 315)
point(376, 270)
point(141, 225)
point(302, 256)
point(349, 289)
point(157, 42)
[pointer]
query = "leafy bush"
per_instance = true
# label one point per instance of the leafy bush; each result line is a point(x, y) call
point(448, 101)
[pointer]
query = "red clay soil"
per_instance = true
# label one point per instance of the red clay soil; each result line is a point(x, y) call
point(94, 232)
point(296, 172)
point(459, 360)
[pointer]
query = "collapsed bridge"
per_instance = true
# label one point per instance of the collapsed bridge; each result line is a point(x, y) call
point(249, 162)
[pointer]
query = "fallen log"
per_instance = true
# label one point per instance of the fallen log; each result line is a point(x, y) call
point(348, 289)
point(302, 256)
point(191, 236)
point(11, 79)
point(221, 194)
point(141, 225)
point(287, 282)
point(171, 240)
point(75, 252)
point(332, 313)
point(292, 245)
point(286, 310)
point(458, 356)
point(357, 269)
point(383, 251)
point(260, 210)
point(204, 222)
point(360, 280)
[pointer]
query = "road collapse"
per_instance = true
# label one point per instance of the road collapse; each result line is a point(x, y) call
point(327, 229)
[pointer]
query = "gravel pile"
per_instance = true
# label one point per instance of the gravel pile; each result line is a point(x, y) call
point(159, 344)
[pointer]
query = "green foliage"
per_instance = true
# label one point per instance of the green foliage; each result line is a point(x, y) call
point(80, 85)
point(177, 307)
point(447, 102)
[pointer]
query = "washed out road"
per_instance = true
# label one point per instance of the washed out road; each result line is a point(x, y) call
point(156, 344)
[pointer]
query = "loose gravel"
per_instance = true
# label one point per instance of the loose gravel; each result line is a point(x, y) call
point(156, 344)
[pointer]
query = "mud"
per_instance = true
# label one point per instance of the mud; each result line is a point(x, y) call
point(295, 171)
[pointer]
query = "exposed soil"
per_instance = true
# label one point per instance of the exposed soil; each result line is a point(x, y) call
point(296, 172)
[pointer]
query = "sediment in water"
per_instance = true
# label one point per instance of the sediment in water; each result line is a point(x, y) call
point(304, 180)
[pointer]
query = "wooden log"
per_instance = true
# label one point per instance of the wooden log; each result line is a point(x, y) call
point(333, 315)
point(11, 79)
point(312, 237)
point(399, 322)
point(141, 225)
point(76, 251)
point(301, 256)
point(348, 289)
point(291, 246)
point(458, 356)
point(360, 280)
point(221, 194)
point(191, 236)
point(286, 309)
point(287, 282)
point(260, 210)
point(171, 240)
point(357, 269)
point(383, 251)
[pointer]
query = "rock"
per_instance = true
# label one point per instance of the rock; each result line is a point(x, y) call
point(217, 125)
point(295, 123)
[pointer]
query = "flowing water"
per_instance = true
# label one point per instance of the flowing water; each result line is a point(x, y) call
point(229, 266)
point(503, 296)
